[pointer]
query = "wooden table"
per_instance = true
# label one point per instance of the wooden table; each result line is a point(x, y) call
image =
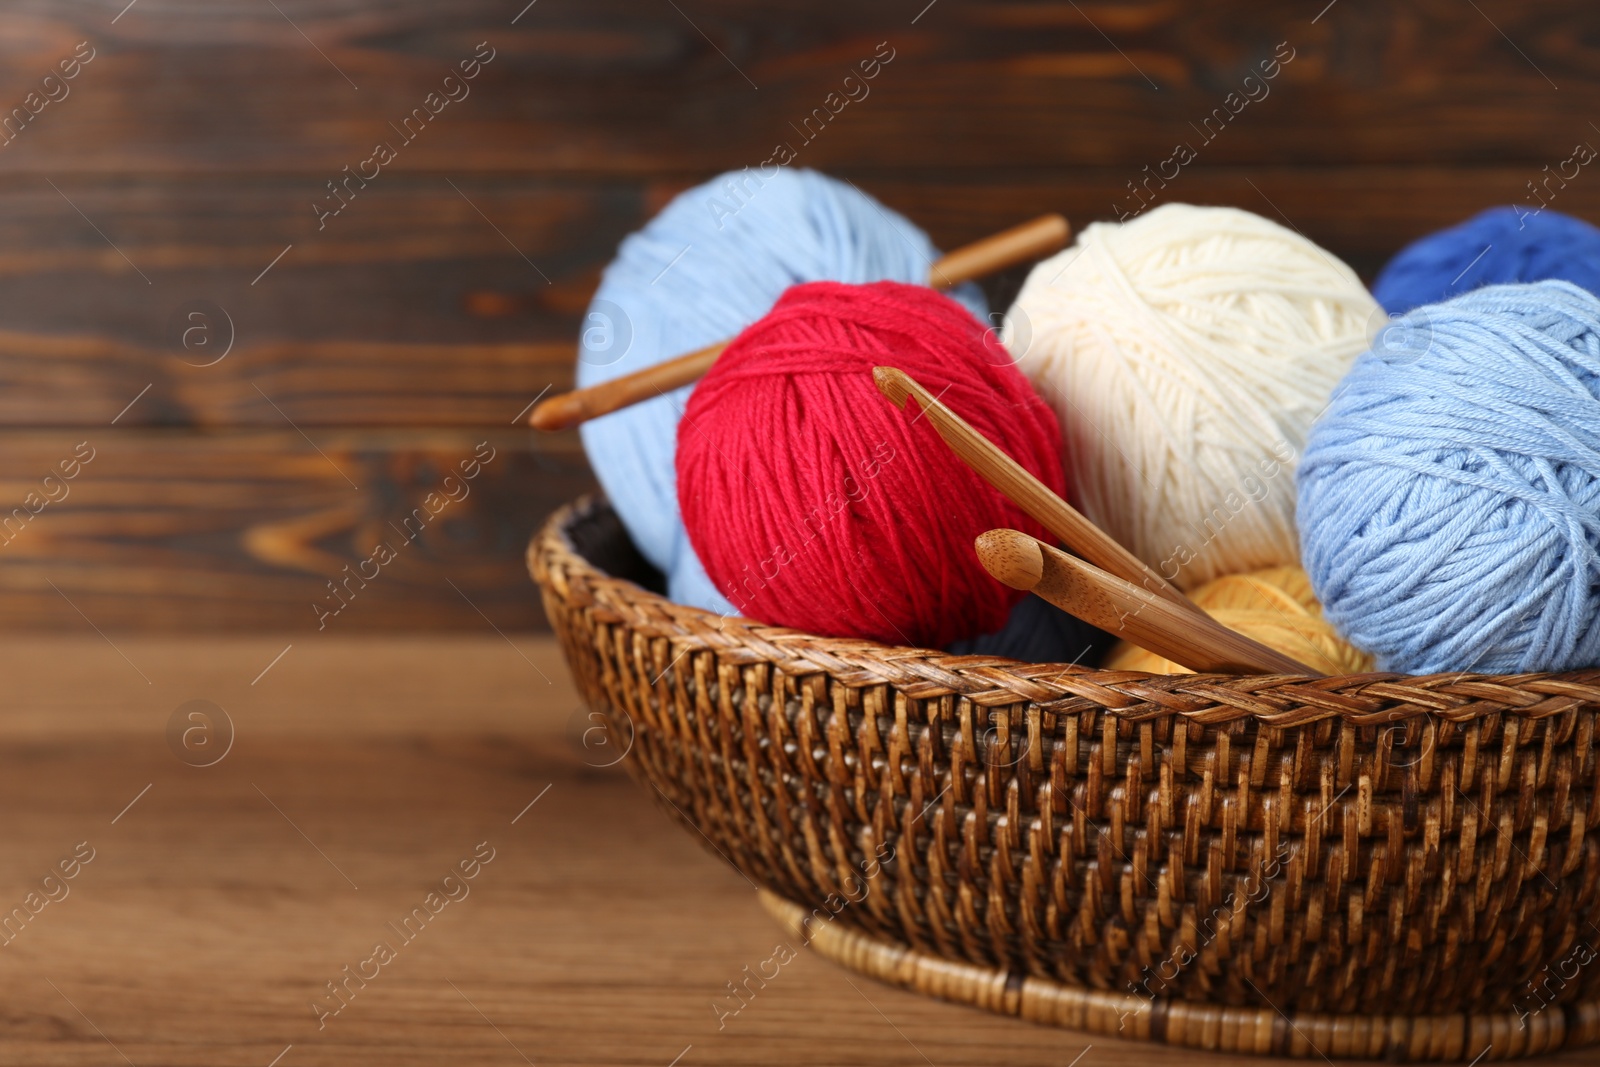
point(221, 900)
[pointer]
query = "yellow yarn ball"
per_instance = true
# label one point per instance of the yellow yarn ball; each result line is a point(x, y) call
point(1187, 353)
point(1274, 606)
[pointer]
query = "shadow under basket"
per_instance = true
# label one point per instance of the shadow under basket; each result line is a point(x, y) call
point(1373, 866)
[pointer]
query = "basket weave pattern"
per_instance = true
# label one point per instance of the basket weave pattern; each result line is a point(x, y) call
point(1374, 845)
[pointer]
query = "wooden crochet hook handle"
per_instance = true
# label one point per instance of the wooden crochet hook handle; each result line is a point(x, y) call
point(1190, 638)
point(1020, 487)
point(1031, 240)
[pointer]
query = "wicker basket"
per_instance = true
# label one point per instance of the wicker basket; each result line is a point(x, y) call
point(1373, 866)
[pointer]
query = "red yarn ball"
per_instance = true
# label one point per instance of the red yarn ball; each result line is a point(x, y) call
point(815, 503)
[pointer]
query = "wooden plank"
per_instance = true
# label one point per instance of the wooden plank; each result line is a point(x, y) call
point(245, 530)
point(415, 311)
point(1364, 214)
point(404, 262)
point(598, 934)
point(621, 86)
point(51, 380)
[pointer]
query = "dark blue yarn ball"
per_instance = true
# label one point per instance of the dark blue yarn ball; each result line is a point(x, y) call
point(1498, 246)
point(1040, 632)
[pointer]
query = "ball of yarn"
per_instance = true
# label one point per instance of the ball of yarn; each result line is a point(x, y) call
point(1187, 353)
point(1500, 245)
point(1039, 632)
point(817, 504)
point(1450, 497)
point(1274, 606)
point(712, 262)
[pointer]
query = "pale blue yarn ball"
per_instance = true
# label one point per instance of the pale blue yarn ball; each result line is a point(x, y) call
point(712, 262)
point(1449, 498)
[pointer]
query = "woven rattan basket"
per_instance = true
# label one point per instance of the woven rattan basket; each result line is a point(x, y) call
point(1373, 866)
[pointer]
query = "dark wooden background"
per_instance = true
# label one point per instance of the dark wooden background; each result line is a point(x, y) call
point(376, 353)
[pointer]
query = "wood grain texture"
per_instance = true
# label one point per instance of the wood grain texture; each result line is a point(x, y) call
point(599, 934)
point(244, 530)
point(618, 86)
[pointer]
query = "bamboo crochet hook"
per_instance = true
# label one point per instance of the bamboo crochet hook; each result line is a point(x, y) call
point(1020, 487)
point(1031, 240)
point(1191, 638)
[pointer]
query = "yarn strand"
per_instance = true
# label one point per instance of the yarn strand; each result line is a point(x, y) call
point(1186, 354)
point(1450, 498)
point(712, 262)
point(817, 504)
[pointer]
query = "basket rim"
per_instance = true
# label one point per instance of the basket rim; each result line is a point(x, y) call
point(1372, 699)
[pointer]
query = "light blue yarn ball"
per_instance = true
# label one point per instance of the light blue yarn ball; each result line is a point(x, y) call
point(1449, 499)
point(712, 262)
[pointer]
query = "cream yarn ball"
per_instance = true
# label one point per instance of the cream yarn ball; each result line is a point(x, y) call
point(1187, 353)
